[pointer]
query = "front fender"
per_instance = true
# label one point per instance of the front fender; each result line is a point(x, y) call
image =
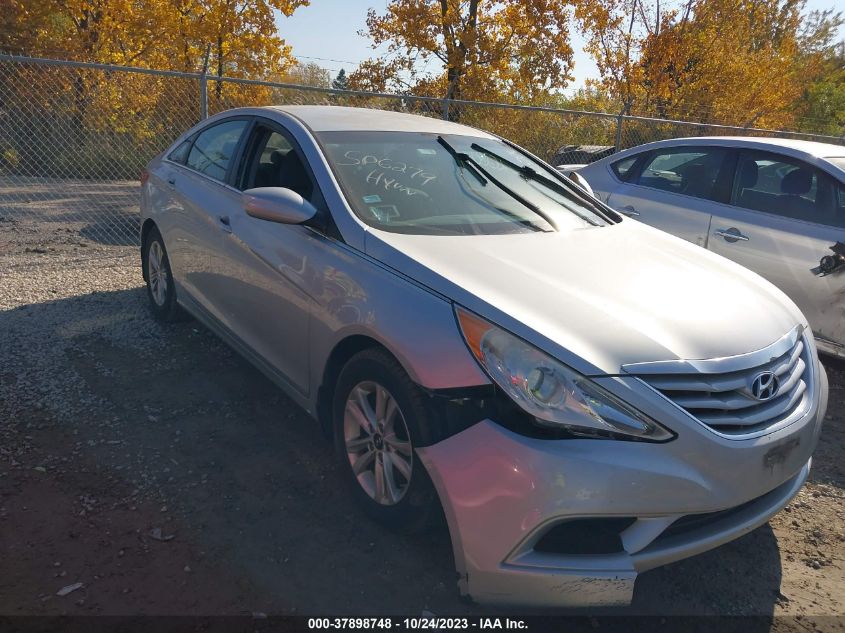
point(360, 297)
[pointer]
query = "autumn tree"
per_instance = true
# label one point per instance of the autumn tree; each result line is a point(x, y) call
point(727, 61)
point(614, 29)
point(469, 49)
point(171, 34)
point(739, 62)
point(102, 123)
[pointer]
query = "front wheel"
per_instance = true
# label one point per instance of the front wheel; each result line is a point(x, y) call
point(380, 417)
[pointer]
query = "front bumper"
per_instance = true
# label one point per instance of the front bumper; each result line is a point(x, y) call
point(502, 492)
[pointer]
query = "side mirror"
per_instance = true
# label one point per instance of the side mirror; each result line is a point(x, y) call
point(277, 204)
point(579, 180)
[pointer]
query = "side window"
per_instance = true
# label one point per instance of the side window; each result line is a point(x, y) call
point(691, 171)
point(275, 163)
point(831, 202)
point(623, 167)
point(180, 154)
point(783, 186)
point(214, 147)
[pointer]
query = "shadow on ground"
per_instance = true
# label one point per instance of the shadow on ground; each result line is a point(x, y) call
point(102, 211)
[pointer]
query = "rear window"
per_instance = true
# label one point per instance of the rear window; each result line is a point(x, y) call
point(180, 154)
point(214, 147)
point(689, 171)
point(622, 167)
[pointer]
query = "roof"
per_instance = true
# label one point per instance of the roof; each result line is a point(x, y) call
point(813, 148)
point(322, 118)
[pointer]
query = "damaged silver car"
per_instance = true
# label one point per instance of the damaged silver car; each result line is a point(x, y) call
point(582, 397)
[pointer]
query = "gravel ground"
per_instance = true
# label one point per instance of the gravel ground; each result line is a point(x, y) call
point(158, 469)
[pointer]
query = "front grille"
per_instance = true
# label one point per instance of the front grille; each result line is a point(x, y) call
point(725, 400)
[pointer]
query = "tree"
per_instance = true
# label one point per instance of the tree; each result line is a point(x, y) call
point(341, 82)
point(822, 106)
point(103, 123)
point(156, 33)
point(309, 74)
point(484, 49)
point(613, 30)
point(738, 62)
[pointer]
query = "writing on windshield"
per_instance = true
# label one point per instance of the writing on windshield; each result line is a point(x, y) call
point(445, 185)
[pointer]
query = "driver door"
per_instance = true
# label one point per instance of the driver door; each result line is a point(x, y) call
point(267, 302)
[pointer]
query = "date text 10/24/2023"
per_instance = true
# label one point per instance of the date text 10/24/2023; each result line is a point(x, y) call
point(432, 623)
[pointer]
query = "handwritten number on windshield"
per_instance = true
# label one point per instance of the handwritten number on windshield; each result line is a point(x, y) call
point(378, 177)
point(355, 159)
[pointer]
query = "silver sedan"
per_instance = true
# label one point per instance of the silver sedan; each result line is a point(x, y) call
point(581, 396)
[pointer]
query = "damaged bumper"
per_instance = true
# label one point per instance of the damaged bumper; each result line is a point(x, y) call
point(573, 522)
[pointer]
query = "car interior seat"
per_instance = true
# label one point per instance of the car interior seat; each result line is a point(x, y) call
point(749, 197)
point(292, 175)
point(696, 181)
point(794, 187)
point(267, 174)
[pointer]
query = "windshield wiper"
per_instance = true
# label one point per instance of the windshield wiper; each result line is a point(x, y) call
point(464, 159)
point(532, 174)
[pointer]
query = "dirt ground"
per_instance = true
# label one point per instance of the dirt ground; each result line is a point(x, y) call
point(154, 466)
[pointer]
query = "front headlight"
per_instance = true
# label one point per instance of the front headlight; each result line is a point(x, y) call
point(554, 394)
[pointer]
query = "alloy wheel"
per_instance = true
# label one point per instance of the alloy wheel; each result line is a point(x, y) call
point(377, 442)
point(157, 273)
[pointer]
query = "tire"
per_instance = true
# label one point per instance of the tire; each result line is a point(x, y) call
point(160, 289)
point(410, 504)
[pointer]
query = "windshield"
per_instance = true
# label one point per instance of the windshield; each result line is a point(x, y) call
point(408, 182)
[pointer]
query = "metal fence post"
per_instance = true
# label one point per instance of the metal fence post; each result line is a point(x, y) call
point(203, 97)
point(445, 106)
point(618, 141)
point(204, 86)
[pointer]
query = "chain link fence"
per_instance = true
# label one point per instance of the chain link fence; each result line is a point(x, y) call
point(74, 137)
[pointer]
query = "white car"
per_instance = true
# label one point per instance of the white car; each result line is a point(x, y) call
point(776, 206)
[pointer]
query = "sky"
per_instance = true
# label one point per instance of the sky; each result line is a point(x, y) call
point(326, 33)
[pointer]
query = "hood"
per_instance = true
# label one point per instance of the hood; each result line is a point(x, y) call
point(600, 297)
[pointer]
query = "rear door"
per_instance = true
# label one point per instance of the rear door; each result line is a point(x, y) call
point(784, 216)
point(205, 203)
point(674, 188)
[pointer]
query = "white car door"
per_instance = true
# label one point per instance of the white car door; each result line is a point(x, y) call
point(783, 217)
point(673, 189)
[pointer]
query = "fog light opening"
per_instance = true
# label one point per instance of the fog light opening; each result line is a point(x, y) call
point(586, 537)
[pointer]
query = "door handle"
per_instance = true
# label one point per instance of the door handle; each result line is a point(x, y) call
point(732, 235)
point(225, 224)
point(630, 211)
